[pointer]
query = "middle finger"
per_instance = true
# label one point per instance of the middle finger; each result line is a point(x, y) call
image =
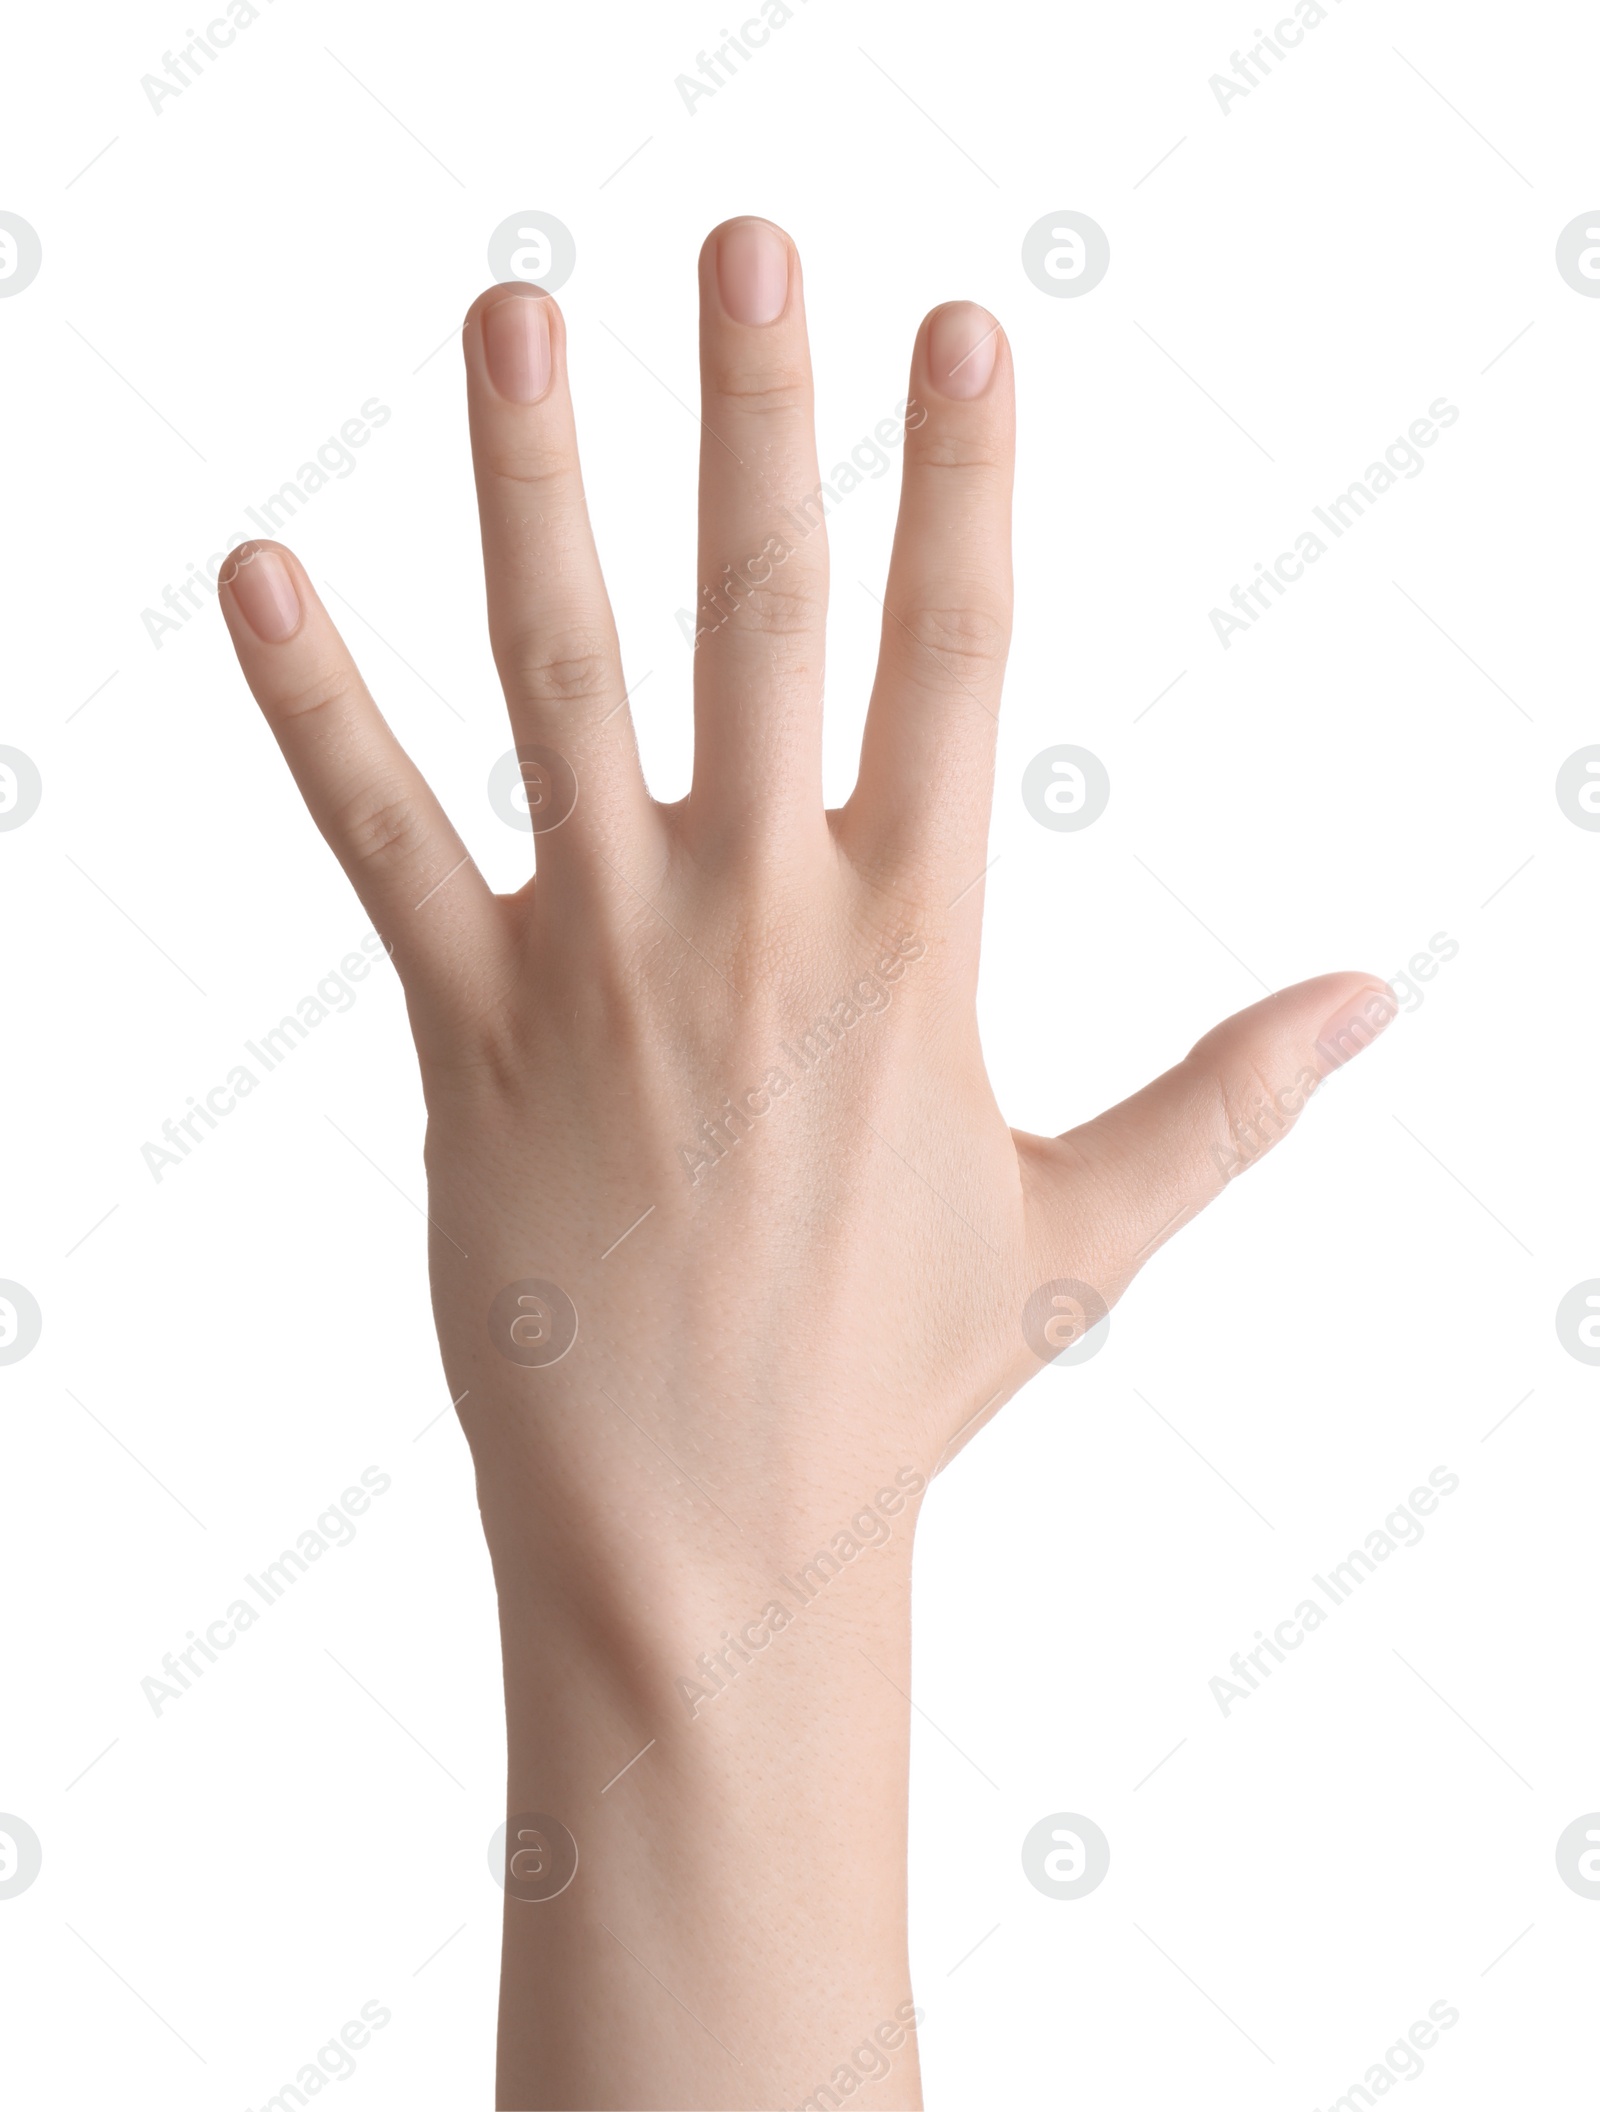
point(763, 552)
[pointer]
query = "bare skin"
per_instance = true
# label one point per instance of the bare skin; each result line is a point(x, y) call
point(794, 1301)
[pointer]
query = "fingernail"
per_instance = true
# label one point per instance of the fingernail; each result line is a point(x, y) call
point(264, 589)
point(1355, 1026)
point(753, 271)
point(962, 343)
point(516, 346)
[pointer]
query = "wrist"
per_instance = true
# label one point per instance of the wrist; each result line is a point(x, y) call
point(659, 1638)
point(668, 1598)
point(720, 1764)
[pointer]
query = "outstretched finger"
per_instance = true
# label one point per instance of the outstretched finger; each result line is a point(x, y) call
point(427, 900)
point(927, 759)
point(761, 609)
point(550, 622)
point(1137, 1173)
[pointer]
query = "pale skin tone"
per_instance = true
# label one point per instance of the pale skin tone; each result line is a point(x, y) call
point(821, 1308)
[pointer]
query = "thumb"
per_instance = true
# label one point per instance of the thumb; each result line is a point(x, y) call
point(1112, 1191)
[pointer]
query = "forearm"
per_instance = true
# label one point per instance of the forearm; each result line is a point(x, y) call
point(730, 1762)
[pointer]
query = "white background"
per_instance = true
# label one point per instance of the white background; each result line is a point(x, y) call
point(1369, 766)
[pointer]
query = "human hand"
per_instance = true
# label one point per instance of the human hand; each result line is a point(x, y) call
point(710, 1091)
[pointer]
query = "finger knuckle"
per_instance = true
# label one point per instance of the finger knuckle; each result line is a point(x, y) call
point(533, 465)
point(964, 631)
point(765, 391)
point(1250, 1113)
point(323, 689)
point(790, 609)
point(562, 668)
point(379, 827)
point(953, 449)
